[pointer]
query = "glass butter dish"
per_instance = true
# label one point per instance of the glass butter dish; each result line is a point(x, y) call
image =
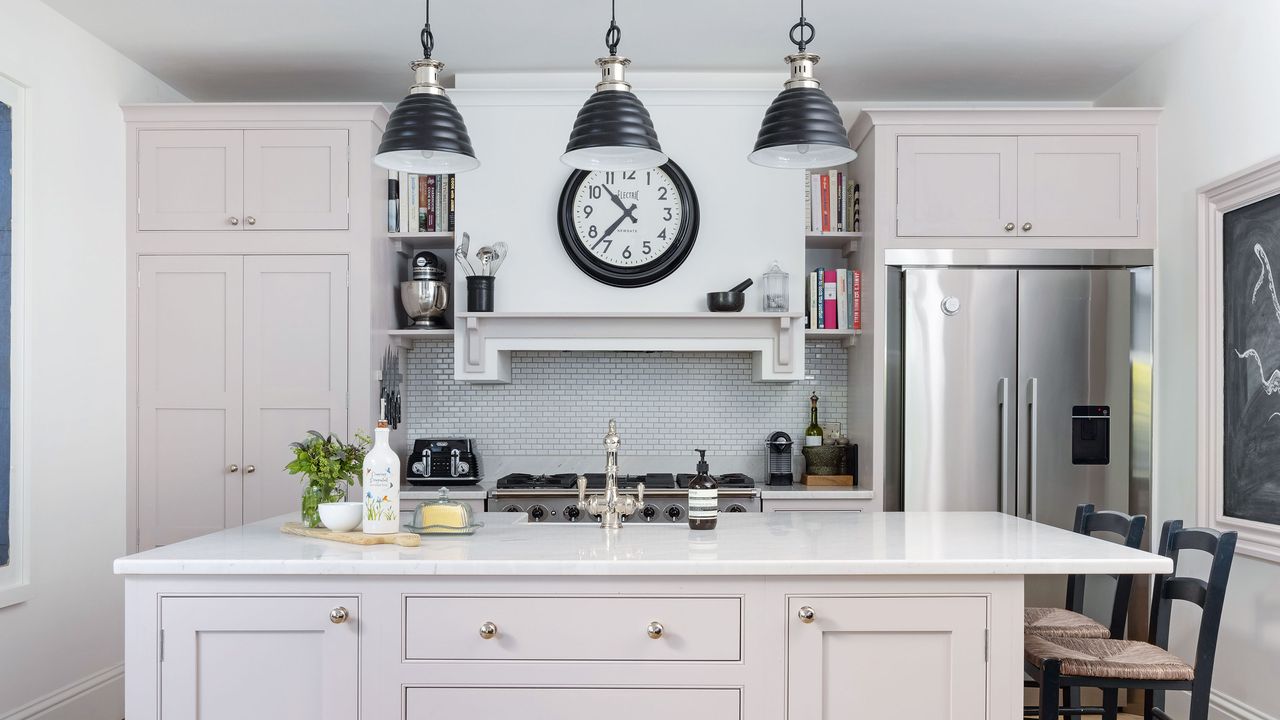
point(443, 516)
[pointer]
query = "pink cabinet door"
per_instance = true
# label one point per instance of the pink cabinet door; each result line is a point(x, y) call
point(957, 186)
point(295, 179)
point(295, 369)
point(259, 657)
point(190, 179)
point(189, 396)
point(887, 657)
point(1083, 186)
point(573, 703)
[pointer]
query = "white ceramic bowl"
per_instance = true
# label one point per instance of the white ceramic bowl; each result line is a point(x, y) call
point(341, 516)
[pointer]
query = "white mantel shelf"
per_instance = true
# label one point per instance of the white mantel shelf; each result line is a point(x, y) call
point(776, 340)
point(816, 543)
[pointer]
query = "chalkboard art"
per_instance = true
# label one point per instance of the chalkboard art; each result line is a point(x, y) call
point(1251, 363)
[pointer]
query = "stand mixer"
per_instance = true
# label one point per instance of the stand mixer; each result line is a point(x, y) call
point(426, 295)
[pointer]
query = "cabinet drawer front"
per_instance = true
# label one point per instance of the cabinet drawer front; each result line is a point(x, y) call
point(569, 703)
point(573, 628)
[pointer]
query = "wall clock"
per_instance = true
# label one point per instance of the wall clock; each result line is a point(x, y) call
point(628, 228)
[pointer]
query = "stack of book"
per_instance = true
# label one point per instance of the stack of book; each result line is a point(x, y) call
point(833, 300)
point(419, 203)
point(830, 204)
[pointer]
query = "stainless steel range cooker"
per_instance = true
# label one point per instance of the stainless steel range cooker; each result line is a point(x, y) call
point(554, 498)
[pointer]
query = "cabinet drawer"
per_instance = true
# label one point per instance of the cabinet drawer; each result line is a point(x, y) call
point(572, 703)
point(573, 628)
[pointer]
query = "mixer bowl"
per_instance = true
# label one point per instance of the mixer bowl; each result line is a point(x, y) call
point(425, 302)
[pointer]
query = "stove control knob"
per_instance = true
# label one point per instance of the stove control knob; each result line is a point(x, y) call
point(537, 512)
point(649, 512)
point(735, 508)
point(571, 513)
point(675, 512)
point(513, 508)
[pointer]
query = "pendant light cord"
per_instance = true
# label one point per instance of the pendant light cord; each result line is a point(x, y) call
point(807, 33)
point(428, 40)
point(613, 35)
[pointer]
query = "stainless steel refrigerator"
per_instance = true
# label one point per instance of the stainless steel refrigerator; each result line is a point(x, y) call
point(1022, 389)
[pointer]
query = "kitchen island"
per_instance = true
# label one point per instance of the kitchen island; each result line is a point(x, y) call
point(773, 615)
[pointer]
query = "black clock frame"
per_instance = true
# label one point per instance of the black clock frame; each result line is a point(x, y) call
point(642, 275)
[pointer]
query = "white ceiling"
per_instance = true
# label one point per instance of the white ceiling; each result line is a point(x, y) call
point(944, 50)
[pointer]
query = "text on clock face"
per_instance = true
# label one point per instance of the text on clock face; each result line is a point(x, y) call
point(627, 217)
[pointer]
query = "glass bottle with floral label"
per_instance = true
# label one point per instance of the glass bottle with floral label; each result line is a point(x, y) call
point(381, 482)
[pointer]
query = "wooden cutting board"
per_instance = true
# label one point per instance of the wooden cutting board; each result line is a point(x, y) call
point(403, 539)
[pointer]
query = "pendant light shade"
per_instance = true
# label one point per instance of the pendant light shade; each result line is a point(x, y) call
point(425, 134)
point(613, 130)
point(802, 127)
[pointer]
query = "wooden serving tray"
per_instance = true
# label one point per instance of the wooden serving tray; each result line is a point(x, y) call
point(828, 480)
point(403, 539)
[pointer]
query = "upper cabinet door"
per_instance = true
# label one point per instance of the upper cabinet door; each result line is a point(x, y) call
point(295, 179)
point(295, 369)
point(190, 179)
point(1080, 186)
point(190, 311)
point(957, 186)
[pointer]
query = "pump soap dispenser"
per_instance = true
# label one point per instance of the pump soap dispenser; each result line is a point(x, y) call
point(704, 497)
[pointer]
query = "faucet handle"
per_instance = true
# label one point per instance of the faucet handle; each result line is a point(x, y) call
point(582, 492)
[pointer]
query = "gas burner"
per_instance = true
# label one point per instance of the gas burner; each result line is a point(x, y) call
point(652, 481)
point(559, 481)
point(727, 480)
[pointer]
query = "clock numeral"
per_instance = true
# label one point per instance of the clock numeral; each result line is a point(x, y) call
point(608, 177)
point(607, 243)
point(626, 252)
point(647, 247)
point(592, 231)
point(596, 192)
point(648, 177)
point(662, 235)
point(588, 209)
point(662, 193)
point(629, 175)
point(667, 217)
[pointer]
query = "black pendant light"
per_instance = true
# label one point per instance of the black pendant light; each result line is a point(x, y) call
point(802, 127)
point(613, 130)
point(425, 134)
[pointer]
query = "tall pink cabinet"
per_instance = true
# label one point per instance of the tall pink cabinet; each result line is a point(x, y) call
point(251, 302)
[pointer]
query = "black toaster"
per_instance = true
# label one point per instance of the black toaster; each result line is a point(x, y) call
point(447, 461)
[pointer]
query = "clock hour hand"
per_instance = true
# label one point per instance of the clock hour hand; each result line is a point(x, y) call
point(627, 211)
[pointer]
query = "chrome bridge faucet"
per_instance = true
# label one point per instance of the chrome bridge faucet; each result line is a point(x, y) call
point(612, 506)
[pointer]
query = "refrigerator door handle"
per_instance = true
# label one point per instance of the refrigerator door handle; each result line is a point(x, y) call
point(1002, 397)
point(1033, 386)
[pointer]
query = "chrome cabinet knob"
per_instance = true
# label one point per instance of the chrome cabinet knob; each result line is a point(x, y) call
point(249, 468)
point(654, 629)
point(806, 614)
point(1026, 227)
point(488, 630)
point(233, 220)
point(251, 219)
point(1008, 227)
point(338, 615)
point(233, 468)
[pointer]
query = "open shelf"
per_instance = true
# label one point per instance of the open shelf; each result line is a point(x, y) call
point(846, 242)
point(405, 338)
point(849, 335)
point(409, 243)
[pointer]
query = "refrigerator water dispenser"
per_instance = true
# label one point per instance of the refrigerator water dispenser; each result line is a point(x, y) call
point(1091, 435)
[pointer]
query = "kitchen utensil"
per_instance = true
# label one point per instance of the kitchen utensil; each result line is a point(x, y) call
point(460, 255)
point(403, 539)
point(779, 446)
point(485, 255)
point(500, 254)
point(389, 385)
point(480, 293)
point(731, 300)
point(465, 245)
point(341, 516)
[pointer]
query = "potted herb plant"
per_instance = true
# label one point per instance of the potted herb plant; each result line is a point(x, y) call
point(328, 466)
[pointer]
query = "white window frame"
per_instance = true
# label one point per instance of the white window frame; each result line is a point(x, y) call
point(15, 578)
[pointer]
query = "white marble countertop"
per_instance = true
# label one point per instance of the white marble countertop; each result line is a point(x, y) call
point(813, 543)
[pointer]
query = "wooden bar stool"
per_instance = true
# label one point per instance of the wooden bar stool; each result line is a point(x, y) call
point(1111, 664)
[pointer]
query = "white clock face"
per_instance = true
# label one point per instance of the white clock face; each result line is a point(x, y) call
point(627, 218)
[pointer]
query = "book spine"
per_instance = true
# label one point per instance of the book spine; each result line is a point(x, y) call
point(840, 201)
point(808, 203)
point(825, 185)
point(829, 310)
point(857, 299)
point(413, 207)
point(856, 205)
point(431, 204)
point(815, 216)
point(842, 299)
point(453, 191)
point(441, 200)
point(811, 301)
point(819, 305)
point(402, 205)
point(393, 201)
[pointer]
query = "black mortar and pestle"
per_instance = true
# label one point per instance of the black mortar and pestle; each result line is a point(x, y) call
point(729, 301)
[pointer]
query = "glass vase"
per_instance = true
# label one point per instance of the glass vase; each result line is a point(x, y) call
point(312, 496)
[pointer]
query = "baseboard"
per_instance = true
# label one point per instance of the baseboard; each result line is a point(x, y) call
point(1230, 708)
point(97, 697)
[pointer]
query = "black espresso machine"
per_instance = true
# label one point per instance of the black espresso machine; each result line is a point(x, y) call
point(442, 461)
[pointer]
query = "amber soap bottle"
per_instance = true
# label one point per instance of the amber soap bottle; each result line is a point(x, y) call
point(704, 497)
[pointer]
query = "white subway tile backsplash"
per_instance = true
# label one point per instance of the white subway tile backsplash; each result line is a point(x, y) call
point(665, 402)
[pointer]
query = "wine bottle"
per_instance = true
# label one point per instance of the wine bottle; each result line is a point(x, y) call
point(813, 433)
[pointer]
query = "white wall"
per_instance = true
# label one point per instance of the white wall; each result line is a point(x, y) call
point(71, 630)
point(1222, 114)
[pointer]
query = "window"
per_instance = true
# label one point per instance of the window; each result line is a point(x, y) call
point(14, 549)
